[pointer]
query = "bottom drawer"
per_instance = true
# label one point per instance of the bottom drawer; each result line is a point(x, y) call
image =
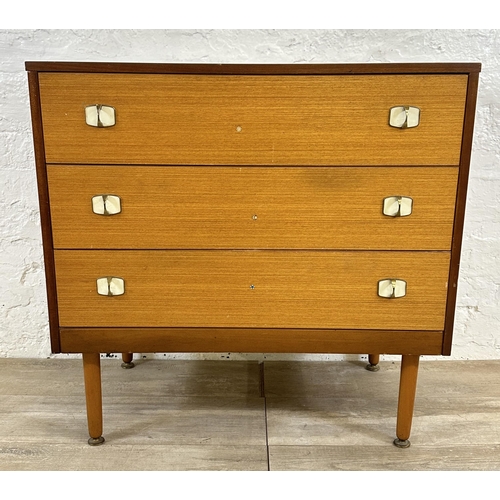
point(258, 289)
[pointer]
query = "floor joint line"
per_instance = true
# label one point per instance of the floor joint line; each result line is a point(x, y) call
point(263, 395)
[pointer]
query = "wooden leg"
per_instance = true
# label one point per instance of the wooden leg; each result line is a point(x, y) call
point(127, 358)
point(373, 360)
point(407, 389)
point(93, 395)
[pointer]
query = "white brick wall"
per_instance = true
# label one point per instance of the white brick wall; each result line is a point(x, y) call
point(23, 310)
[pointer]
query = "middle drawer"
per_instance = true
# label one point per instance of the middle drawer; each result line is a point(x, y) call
point(252, 207)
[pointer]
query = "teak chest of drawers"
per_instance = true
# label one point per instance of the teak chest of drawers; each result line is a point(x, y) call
point(252, 208)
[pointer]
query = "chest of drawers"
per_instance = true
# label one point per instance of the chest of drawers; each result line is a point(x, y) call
point(252, 208)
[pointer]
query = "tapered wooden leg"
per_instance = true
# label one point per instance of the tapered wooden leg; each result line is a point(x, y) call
point(407, 389)
point(127, 358)
point(93, 395)
point(373, 360)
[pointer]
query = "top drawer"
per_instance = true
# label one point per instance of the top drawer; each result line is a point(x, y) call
point(252, 120)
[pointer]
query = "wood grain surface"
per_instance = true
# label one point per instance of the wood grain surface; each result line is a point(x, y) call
point(276, 289)
point(250, 340)
point(259, 120)
point(252, 207)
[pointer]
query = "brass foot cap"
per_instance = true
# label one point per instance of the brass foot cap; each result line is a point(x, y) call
point(128, 365)
point(373, 368)
point(402, 444)
point(96, 441)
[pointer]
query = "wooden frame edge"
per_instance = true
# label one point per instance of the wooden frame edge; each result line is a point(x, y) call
point(463, 180)
point(43, 198)
point(254, 69)
point(269, 340)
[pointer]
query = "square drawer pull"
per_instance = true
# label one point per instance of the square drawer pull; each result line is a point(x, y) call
point(397, 206)
point(110, 286)
point(391, 288)
point(100, 115)
point(106, 204)
point(404, 117)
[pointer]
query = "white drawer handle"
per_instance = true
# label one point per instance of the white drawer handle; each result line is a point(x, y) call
point(391, 288)
point(100, 115)
point(106, 204)
point(404, 117)
point(110, 286)
point(397, 206)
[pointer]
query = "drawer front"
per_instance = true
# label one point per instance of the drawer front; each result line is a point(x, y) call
point(260, 120)
point(252, 207)
point(276, 289)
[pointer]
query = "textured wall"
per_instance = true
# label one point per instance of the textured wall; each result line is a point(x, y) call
point(23, 316)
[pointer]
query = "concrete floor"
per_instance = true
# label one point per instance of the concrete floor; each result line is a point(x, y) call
point(237, 415)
